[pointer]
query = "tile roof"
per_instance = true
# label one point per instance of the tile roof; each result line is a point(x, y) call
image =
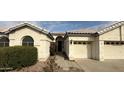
point(98, 31)
point(82, 31)
point(3, 29)
point(58, 33)
point(79, 31)
point(27, 24)
point(39, 29)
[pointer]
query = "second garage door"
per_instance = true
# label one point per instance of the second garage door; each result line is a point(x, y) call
point(114, 50)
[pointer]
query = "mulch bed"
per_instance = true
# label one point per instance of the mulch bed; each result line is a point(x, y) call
point(38, 67)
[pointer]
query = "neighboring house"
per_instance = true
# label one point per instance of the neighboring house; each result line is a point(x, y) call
point(79, 44)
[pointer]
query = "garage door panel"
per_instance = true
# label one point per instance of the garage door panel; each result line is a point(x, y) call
point(114, 51)
point(82, 51)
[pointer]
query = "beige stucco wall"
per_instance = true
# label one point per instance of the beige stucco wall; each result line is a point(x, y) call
point(95, 48)
point(66, 46)
point(122, 32)
point(54, 38)
point(113, 35)
point(81, 38)
point(41, 41)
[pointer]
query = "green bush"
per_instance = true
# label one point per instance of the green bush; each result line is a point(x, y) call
point(17, 56)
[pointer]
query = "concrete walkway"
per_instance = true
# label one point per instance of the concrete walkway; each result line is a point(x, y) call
point(89, 65)
point(66, 64)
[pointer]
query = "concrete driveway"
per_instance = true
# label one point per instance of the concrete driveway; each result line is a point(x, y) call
point(89, 65)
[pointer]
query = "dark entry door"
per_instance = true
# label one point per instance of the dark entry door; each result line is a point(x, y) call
point(59, 46)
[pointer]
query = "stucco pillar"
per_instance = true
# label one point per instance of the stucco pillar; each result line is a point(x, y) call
point(71, 54)
point(11, 42)
point(101, 50)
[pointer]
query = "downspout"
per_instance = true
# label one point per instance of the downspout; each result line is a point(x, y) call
point(120, 33)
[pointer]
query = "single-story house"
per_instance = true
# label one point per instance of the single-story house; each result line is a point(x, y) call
point(107, 43)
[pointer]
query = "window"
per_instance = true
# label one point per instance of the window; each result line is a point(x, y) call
point(107, 43)
point(117, 43)
point(82, 42)
point(28, 41)
point(122, 43)
point(114, 43)
point(75, 42)
point(4, 42)
point(79, 42)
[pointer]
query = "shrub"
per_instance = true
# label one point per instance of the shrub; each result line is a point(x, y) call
point(17, 56)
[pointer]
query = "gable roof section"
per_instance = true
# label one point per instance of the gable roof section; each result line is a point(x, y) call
point(94, 32)
point(109, 28)
point(31, 26)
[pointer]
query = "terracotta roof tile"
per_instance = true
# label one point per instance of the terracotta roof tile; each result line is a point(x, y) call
point(58, 33)
point(3, 29)
point(83, 31)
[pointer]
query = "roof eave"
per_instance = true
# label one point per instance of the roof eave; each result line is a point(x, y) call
point(32, 26)
point(109, 28)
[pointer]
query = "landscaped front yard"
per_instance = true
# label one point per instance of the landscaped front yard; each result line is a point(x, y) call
point(47, 66)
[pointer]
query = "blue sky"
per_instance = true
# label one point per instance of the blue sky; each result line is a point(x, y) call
point(61, 26)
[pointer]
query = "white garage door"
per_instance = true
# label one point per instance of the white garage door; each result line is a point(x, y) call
point(82, 49)
point(114, 50)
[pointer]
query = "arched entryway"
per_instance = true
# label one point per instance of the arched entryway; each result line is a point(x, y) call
point(27, 41)
point(4, 42)
point(59, 44)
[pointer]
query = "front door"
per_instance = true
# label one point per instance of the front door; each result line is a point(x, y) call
point(59, 46)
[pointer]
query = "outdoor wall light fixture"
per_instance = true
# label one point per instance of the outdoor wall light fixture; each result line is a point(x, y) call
point(70, 41)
